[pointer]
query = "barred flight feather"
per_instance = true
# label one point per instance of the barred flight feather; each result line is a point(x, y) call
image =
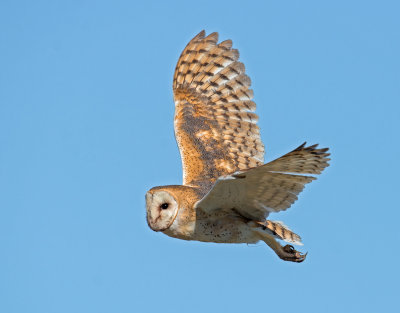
point(303, 160)
point(272, 187)
point(214, 117)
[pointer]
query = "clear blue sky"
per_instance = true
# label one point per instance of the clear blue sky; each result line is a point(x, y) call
point(86, 128)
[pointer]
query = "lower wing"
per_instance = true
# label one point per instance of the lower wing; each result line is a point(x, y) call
point(271, 187)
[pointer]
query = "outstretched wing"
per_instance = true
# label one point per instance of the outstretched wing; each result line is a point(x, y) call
point(272, 187)
point(215, 126)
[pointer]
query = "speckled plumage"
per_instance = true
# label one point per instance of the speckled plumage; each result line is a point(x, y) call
point(228, 191)
point(215, 126)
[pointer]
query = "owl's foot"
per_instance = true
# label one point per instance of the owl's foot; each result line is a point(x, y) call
point(287, 253)
point(290, 254)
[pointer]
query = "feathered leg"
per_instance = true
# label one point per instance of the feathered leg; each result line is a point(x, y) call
point(287, 253)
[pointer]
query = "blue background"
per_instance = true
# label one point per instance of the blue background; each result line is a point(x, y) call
point(86, 129)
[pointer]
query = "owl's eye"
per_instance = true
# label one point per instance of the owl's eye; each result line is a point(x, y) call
point(164, 206)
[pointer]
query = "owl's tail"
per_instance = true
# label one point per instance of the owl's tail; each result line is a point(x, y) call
point(281, 231)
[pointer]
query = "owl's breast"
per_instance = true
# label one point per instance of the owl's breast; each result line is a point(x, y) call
point(224, 229)
point(184, 225)
point(219, 227)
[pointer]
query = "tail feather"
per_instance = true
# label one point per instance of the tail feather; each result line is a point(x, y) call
point(281, 231)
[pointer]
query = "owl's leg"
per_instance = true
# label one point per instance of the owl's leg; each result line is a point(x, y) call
point(287, 253)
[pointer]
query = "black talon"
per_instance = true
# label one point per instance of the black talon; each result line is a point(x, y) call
point(294, 255)
point(289, 249)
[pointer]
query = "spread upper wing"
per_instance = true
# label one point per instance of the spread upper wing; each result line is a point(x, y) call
point(215, 126)
point(272, 187)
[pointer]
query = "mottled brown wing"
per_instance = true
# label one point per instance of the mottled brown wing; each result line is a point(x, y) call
point(272, 187)
point(215, 126)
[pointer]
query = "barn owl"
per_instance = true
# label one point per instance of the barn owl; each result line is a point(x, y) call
point(228, 191)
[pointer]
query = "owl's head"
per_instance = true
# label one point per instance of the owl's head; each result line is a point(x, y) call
point(162, 208)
